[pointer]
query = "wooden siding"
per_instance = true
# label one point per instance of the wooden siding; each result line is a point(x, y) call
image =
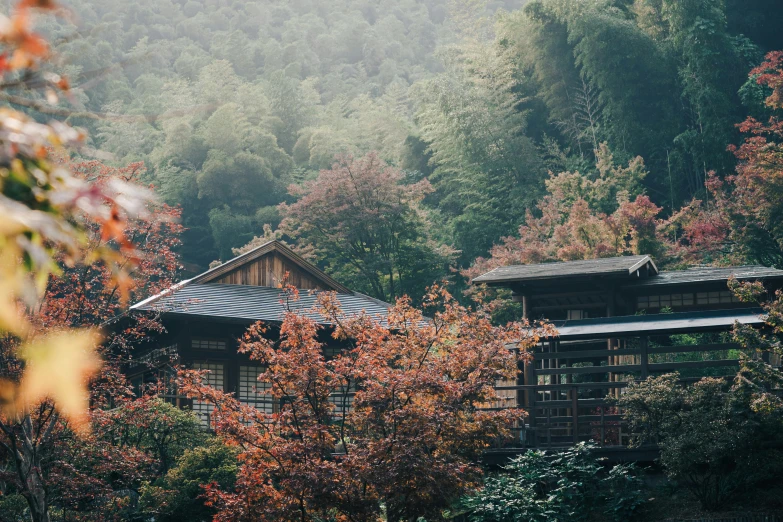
point(269, 270)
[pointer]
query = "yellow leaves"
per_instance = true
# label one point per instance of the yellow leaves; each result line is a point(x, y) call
point(28, 47)
point(57, 367)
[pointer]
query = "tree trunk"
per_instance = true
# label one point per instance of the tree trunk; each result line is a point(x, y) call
point(35, 491)
point(36, 500)
point(25, 445)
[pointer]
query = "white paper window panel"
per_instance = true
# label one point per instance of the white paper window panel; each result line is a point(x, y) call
point(252, 392)
point(213, 379)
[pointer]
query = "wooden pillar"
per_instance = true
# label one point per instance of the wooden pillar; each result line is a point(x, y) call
point(575, 414)
point(527, 376)
point(530, 379)
point(610, 343)
point(643, 356)
point(523, 376)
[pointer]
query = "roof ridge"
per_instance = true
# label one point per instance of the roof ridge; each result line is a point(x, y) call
point(614, 266)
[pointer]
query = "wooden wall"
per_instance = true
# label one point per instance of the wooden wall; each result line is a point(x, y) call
point(269, 270)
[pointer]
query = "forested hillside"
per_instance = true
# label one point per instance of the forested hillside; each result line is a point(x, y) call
point(229, 103)
point(404, 147)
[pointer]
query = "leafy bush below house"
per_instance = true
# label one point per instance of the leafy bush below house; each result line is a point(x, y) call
point(714, 440)
point(568, 485)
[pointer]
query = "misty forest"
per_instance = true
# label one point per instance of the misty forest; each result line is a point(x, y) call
point(233, 185)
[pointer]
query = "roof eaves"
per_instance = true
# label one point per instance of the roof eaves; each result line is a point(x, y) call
point(153, 298)
point(487, 278)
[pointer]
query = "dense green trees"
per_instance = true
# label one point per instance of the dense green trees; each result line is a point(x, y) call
point(714, 439)
point(228, 103)
point(655, 78)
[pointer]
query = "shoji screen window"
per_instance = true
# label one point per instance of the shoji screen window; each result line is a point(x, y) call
point(214, 379)
point(252, 391)
point(342, 400)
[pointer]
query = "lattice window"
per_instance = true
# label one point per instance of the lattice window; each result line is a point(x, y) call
point(716, 297)
point(253, 392)
point(208, 344)
point(214, 379)
point(331, 352)
point(342, 400)
point(574, 315)
point(664, 301)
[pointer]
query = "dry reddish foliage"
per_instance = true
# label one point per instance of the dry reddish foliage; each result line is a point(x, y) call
point(411, 440)
point(39, 445)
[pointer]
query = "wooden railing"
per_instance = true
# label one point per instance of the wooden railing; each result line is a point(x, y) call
point(562, 411)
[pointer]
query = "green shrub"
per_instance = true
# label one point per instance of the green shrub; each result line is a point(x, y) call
point(178, 495)
point(13, 508)
point(546, 487)
point(712, 440)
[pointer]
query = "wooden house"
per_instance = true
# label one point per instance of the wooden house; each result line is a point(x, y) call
point(616, 318)
point(206, 315)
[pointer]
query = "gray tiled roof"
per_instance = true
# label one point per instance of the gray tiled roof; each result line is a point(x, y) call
point(617, 266)
point(250, 303)
point(633, 325)
point(707, 274)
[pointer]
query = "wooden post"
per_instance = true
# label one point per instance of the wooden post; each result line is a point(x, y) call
point(643, 356)
point(549, 428)
point(603, 427)
point(610, 345)
point(523, 376)
point(575, 414)
point(531, 379)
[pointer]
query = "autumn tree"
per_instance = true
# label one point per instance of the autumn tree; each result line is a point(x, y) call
point(40, 445)
point(738, 221)
point(49, 216)
point(584, 216)
point(392, 423)
point(367, 227)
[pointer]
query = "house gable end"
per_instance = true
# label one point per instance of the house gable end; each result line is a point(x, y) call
point(268, 265)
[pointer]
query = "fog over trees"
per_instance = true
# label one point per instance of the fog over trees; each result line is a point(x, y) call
point(403, 147)
point(228, 103)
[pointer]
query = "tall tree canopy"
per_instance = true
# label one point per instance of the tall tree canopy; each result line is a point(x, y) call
point(367, 226)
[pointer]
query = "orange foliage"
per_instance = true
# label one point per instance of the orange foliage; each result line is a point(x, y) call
point(413, 435)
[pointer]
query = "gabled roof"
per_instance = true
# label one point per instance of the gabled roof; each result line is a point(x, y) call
point(201, 297)
point(635, 325)
point(276, 246)
point(707, 274)
point(252, 303)
point(606, 267)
